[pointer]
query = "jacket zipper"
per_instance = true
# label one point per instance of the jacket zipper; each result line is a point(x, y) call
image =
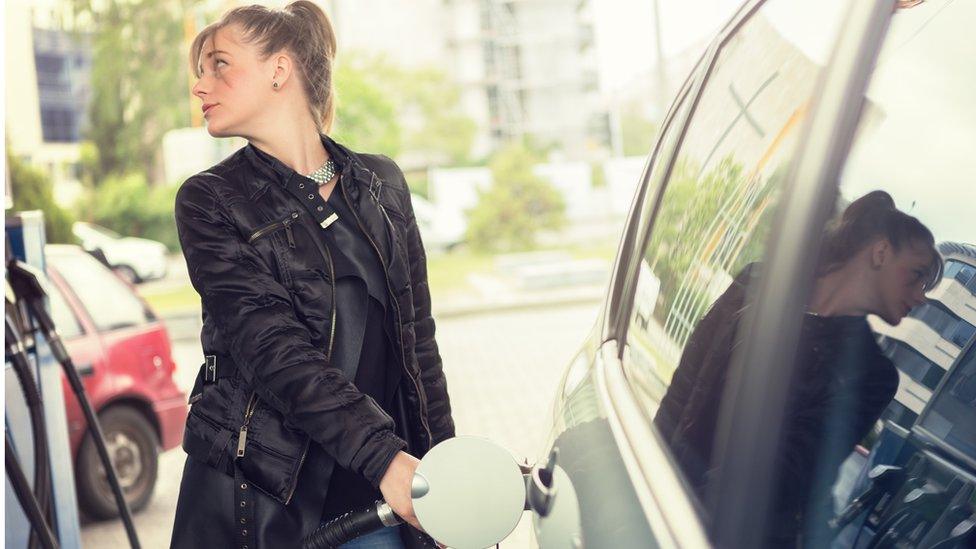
point(252, 401)
point(250, 410)
point(284, 223)
point(328, 356)
point(396, 307)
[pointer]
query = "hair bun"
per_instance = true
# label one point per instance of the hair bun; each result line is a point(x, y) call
point(872, 202)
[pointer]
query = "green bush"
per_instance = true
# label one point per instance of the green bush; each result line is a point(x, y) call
point(129, 206)
point(516, 206)
point(32, 190)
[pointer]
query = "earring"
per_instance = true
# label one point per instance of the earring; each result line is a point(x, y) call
point(275, 84)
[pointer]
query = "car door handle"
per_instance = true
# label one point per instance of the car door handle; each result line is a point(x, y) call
point(85, 370)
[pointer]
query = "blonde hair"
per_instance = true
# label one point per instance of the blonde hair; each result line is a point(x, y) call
point(301, 28)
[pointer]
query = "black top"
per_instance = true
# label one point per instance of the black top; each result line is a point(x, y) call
point(841, 384)
point(362, 346)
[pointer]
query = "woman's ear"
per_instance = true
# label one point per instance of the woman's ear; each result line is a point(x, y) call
point(881, 252)
point(281, 66)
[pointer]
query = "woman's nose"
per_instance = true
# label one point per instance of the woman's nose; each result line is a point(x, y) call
point(919, 296)
point(199, 89)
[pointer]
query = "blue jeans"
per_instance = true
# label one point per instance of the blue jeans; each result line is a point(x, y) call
point(387, 538)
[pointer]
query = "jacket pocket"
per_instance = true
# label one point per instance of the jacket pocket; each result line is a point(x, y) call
point(272, 465)
point(269, 453)
point(284, 223)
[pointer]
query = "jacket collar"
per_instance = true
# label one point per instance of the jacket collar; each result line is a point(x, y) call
point(354, 176)
point(349, 164)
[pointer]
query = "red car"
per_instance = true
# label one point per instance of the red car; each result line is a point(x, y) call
point(122, 352)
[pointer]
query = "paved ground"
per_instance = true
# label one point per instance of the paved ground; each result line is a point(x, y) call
point(501, 369)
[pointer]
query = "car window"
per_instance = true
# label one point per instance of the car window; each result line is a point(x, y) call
point(110, 303)
point(64, 318)
point(715, 212)
point(713, 223)
point(885, 378)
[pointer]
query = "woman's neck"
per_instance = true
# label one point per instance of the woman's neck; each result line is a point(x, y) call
point(300, 150)
point(838, 293)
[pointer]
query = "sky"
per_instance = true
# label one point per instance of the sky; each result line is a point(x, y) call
point(923, 134)
point(625, 34)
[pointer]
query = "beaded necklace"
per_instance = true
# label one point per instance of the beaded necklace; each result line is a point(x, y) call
point(324, 174)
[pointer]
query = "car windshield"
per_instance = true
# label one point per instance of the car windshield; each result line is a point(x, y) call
point(98, 230)
point(109, 302)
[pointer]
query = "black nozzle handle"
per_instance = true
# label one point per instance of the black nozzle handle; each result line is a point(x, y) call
point(351, 525)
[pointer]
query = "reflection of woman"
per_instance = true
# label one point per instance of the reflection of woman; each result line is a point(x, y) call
point(874, 260)
point(326, 378)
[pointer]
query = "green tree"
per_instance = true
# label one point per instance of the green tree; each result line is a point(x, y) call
point(32, 190)
point(138, 74)
point(516, 206)
point(127, 205)
point(694, 219)
point(435, 125)
point(384, 108)
point(366, 114)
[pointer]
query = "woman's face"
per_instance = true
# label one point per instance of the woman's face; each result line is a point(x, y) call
point(902, 276)
point(234, 84)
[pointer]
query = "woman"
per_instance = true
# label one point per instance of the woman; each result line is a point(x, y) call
point(322, 383)
point(874, 260)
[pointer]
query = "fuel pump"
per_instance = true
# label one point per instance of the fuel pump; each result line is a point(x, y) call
point(25, 305)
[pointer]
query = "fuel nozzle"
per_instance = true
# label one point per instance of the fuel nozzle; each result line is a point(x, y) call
point(883, 479)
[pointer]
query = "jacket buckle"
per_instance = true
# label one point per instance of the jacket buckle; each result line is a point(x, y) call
point(210, 368)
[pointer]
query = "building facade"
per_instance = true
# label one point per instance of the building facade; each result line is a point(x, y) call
point(48, 70)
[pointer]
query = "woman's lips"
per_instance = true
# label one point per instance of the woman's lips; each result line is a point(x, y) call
point(208, 108)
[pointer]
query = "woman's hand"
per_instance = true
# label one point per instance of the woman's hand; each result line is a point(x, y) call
point(396, 484)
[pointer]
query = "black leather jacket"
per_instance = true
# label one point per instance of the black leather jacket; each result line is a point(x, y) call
point(248, 232)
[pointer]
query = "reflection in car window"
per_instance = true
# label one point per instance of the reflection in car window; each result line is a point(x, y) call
point(64, 318)
point(915, 142)
point(717, 205)
point(109, 302)
point(914, 95)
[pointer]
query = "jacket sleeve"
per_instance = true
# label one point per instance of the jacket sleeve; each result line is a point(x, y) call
point(686, 377)
point(428, 355)
point(273, 349)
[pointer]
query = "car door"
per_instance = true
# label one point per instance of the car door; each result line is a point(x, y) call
point(722, 172)
point(83, 344)
point(132, 345)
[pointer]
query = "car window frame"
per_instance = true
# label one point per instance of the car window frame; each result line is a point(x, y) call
point(674, 514)
point(646, 218)
point(629, 247)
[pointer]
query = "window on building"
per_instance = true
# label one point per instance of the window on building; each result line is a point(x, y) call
point(962, 272)
point(914, 364)
point(962, 333)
